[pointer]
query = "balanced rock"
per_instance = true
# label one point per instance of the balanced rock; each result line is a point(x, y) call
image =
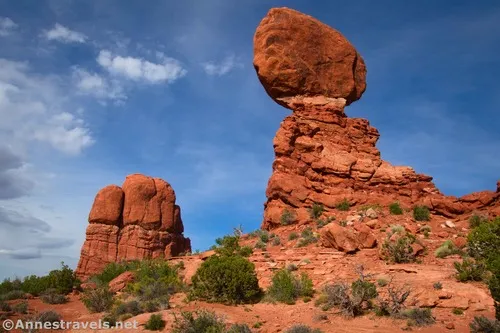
point(321, 155)
point(295, 54)
point(139, 220)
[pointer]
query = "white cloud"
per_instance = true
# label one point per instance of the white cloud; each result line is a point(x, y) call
point(36, 108)
point(6, 26)
point(98, 86)
point(138, 69)
point(225, 66)
point(64, 35)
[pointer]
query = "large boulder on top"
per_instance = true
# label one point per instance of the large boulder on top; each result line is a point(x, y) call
point(297, 55)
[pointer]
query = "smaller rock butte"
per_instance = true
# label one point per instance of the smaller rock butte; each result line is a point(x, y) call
point(322, 156)
point(137, 221)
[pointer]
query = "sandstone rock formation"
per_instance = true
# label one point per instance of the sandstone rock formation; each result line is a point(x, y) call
point(139, 220)
point(322, 156)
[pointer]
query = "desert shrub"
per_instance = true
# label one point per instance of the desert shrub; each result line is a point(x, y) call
point(364, 290)
point(484, 325)
point(421, 213)
point(447, 249)
point(418, 317)
point(470, 270)
point(484, 241)
point(132, 307)
point(113, 270)
point(292, 267)
point(155, 278)
point(292, 236)
point(397, 246)
point(393, 303)
point(316, 211)
point(344, 205)
point(437, 286)
point(382, 282)
point(63, 280)
point(98, 300)
point(199, 321)
point(457, 311)
point(155, 323)
point(307, 238)
point(287, 217)
point(263, 235)
point(11, 295)
point(21, 307)
point(10, 285)
point(226, 279)
point(156, 294)
point(276, 241)
point(49, 316)
point(395, 209)
point(4, 306)
point(260, 245)
point(320, 317)
point(239, 328)
point(51, 296)
point(230, 245)
point(476, 220)
point(286, 287)
point(302, 329)
point(320, 223)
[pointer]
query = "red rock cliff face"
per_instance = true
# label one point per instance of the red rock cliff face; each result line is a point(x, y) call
point(322, 156)
point(139, 220)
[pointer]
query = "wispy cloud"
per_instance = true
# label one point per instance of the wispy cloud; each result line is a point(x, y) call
point(223, 67)
point(13, 181)
point(96, 85)
point(65, 35)
point(7, 26)
point(138, 69)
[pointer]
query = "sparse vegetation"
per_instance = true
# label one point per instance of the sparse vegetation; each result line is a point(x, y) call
point(484, 325)
point(292, 267)
point(437, 286)
point(344, 205)
point(382, 282)
point(316, 211)
point(260, 245)
point(307, 237)
point(287, 217)
point(49, 316)
point(421, 213)
point(470, 270)
point(11, 295)
point(155, 323)
point(239, 328)
point(292, 236)
point(98, 300)
point(320, 223)
point(21, 307)
point(276, 241)
point(287, 288)
point(395, 208)
point(229, 245)
point(302, 329)
point(418, 317)
point(199, 321)
point(113, 270)
point(457, 311)
point(397, 246)
point(51, 296)
point(4, 306)
point(476, 220)
point(447, 249)
point(394, 302)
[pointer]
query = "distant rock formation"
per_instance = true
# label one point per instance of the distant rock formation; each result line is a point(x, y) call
point(322, 156)
point(139, 220)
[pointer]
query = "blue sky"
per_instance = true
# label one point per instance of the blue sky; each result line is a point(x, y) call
point(91, 91)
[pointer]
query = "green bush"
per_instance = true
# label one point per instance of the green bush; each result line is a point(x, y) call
point(4, 306)
point(113, 270)
point(437, 286)
point(155, 323)
point(52, 296)
point(470, 270)
point(447, 249)
point(292, 236)
point(260, 245)
point(484, 325)
point(395, 208)
point(398, 250)
point(302, 329)
point(419, 317)
point(198, 322)
point(276, 241)
point(287, 217)
point(230, 245)
point(287, 288)
point(344, 205)
point(7, 285)
point(226, 279)
point(421, 213)
point(307, 238)
point(316, 211)
point(476, 221)
point(320, 223)
point(98, 300)
point(364, 290)
point(21, 307)
point(239, 328)
point(132, 307)
point(49, 316)
point(457, 311)
point(382, 282)
point(63, 280)
point(484, 240)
